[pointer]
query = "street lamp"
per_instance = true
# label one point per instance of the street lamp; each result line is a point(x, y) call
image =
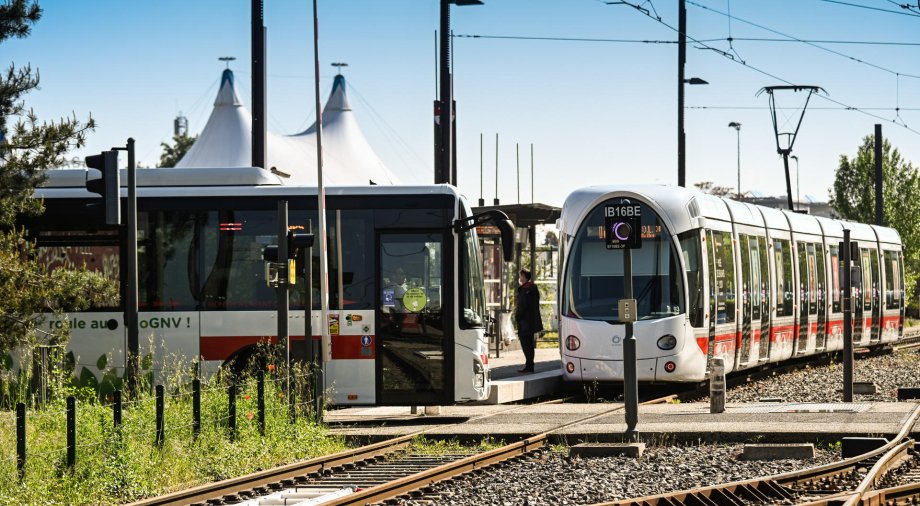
point(444, 171)
point(681, 138)
point(798, 199)
point(737, 127)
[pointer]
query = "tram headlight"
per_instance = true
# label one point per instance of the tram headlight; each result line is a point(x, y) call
point(572, 343)
point(667, 342)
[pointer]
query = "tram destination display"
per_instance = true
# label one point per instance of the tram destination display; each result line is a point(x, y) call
point(622, 226)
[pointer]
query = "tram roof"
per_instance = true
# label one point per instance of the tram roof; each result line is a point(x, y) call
point(679, 205)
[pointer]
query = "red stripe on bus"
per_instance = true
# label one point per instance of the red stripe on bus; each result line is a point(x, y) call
point(223, 347)
point(785, 330)
point(353, 347)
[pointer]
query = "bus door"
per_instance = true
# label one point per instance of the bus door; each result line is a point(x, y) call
point(413, 345)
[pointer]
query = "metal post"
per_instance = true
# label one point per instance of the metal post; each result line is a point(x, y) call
point(495, 202)
point(717, 386)
point(630, 381)
point(258, 84)
point(196, 407)
point(788, 181)
point(282, 290)
point(681, 60)
point(116, 408)
point(517, 157)
point(161, 432)
point(446, 99)
point(531, 173)
point(130, 315)
point(482, 201)
point(260, 401)
point(71, 431)
point(21, 439)
point(325, 340)
point(738, 150)
point(879, 178)
point(231, 410)
point(847, 319)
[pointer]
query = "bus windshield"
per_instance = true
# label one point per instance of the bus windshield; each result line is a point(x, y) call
point(594, 274)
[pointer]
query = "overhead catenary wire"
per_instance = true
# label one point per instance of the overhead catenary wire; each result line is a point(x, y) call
point(869, 7)
point(764, 72)
point(663, 42)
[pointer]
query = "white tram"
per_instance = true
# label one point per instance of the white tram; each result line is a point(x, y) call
point(716, 278)
point(203, 294)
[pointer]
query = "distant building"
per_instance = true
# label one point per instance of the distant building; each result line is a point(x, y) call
point(808, 205)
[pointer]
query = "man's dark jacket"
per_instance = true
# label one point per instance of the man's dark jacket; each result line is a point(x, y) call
point(527, 312)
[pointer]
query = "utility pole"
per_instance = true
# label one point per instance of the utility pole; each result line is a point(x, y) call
point(879, 210)
point(681, 60)
point(258, 84)
point(444, 160)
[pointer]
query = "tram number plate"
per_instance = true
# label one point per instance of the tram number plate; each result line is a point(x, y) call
point(627, 310)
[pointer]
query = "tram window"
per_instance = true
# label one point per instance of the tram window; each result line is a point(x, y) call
point(725, 277)
point(784, 289)
point(873, 256)
point(803, 279)
point(812, 279)
point(889, 282)
point(835, 278)
point(821, 278)
point(690, 249)
point(866, 280)
point(754, 288)
point(594, 276)
point(764, 274)
point(745, 281)
point(167, 260)
point(351, 273)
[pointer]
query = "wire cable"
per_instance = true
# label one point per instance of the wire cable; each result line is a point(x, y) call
point(871, 8)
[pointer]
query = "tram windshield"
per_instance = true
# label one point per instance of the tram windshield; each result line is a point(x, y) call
point(594, 277)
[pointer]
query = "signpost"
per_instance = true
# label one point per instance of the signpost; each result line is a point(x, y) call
point(623, 230)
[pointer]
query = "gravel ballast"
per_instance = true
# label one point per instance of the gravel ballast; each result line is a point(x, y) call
point(553, 478)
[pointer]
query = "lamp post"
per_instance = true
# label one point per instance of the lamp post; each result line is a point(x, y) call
point(444, 172)
point(681, 139)
point(737, 127)
point(798, 198)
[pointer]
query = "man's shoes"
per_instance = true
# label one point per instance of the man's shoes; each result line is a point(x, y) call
point(526, 369)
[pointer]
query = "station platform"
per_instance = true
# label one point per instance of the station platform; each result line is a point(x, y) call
point(663, 423)
point(509, 385)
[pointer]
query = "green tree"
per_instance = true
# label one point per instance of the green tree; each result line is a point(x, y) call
point(172, 154)
point(854, 199)
point(28, 148)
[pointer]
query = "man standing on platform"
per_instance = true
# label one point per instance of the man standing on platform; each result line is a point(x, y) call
point(527, 316)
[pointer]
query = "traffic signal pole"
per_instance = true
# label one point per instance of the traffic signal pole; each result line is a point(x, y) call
point(131, 305)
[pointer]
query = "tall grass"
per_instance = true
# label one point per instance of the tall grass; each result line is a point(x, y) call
point(121, 465)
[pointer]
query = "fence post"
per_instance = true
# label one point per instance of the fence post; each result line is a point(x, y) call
point(161, 436)
point(71, 431)
point(292, 398)
point(21, 439)
point(232, 409)
point(196, 407)
point(116, 408)
point(261, 402)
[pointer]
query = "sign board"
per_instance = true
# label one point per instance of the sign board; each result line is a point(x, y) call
point(623, 226)
point(415, 300)
point(627, 310)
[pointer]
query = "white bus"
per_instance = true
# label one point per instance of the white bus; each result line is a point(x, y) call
point(203, 295)
point(715, 278)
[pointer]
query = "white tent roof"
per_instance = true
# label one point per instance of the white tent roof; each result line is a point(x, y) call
point(345, 149)
point(226, 141)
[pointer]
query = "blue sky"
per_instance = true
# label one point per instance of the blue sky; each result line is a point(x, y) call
point(596, 112)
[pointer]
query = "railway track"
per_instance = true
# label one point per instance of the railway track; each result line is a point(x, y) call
point(849, 482)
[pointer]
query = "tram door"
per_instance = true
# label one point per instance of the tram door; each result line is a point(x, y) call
point(412, 348)
point(876, 297)
point(802, 337)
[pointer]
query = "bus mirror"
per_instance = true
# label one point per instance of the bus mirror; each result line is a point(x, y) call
point(507, 231)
